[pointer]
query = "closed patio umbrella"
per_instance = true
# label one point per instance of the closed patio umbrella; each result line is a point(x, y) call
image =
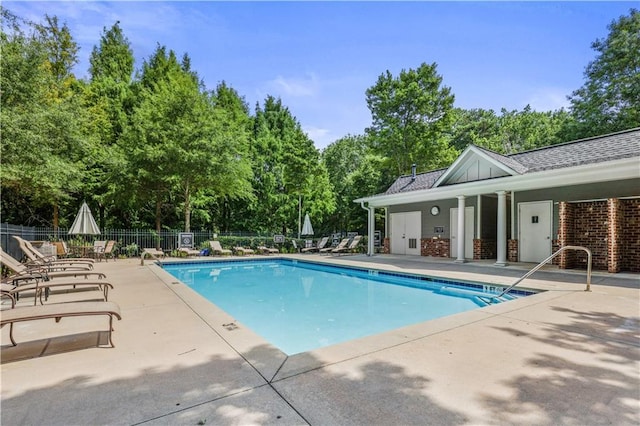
point(84, 224)
point(307, 229)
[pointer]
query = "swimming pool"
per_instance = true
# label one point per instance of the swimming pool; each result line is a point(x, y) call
point(299, 306)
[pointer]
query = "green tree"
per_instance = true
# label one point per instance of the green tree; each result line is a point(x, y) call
point(609, 100)
point(181, 147)
point(510, 132)
point(43, 123)
point(107, 98)
point(354, 171)
point(288, 175)
point(411, 115)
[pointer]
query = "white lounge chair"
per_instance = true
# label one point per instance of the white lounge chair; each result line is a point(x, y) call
point(349, 248)
point(57, 311)
point(320, 246)
point(216, 248)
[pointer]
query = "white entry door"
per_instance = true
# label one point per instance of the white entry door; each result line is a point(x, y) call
point(468, 232)
point(406, 231)
point(534, 228)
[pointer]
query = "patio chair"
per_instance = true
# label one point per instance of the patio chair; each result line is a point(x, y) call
point(268, 250)
point(343, 244)
point(57, 311)
point(216, 248)
point(241, 251)
point(110, 250)
point(98, 249)
point(320, 246)
point(37, 258)
point(350, 248)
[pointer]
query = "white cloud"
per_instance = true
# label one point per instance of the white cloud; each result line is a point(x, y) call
point(296, 86)
point(549, 99)
point(321, 137)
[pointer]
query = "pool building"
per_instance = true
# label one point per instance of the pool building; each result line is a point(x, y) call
point(521, 207)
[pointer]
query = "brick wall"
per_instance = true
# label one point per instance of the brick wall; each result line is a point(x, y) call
point(631, 235)
point(436, 247)
point(566, 213)
point(386, 248)
point(484, 249)
point(591, 230)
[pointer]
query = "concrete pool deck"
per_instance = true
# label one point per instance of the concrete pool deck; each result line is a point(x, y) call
point(564, 356)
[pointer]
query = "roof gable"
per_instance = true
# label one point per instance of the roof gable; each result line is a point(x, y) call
point(478, 164)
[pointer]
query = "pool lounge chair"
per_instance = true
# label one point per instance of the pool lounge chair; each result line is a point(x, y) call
point(343, 244)
point(320, 246)
point(42, 288)
point(189, 251)
point(241, 251)
point(23, 272)
point(57, 311)
point(351, 248)
point(37, 258)
point(268, 250)
point(216, 248)
point(153, 253)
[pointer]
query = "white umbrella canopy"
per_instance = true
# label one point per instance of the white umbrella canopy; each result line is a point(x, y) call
point(307, 229)
point(84, 224)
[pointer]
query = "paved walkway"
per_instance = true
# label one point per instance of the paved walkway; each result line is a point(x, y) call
point(564, 356)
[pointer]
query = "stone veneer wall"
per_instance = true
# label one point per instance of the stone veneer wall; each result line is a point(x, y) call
point(484, 249)
point(436, 247)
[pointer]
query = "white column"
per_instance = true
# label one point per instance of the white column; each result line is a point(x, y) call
point(460, 242)
point(502, 229)
point(479, 218)
point(372, 230)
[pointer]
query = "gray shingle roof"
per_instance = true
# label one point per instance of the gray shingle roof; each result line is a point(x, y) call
point(594, 150)
point(422, 181)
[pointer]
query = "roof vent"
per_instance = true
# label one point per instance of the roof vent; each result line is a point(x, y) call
point(413, 172)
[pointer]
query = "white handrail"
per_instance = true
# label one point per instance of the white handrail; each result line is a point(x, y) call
point(541, 264)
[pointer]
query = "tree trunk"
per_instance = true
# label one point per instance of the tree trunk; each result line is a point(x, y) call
point(158, 212)
point(187, 209)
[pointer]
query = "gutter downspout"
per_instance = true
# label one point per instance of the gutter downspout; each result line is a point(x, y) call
point(370, 227)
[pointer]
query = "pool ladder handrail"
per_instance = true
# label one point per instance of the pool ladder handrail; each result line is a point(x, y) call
point(541, 264)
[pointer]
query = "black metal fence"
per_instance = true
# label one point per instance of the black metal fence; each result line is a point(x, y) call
point(129, 241)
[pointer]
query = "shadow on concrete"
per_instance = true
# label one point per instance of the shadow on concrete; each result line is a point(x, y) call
point(54, 346)
point(559, 388)
point(212, 393)
point(374, 393)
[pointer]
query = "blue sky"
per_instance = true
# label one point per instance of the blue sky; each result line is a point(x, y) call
point(320, 57)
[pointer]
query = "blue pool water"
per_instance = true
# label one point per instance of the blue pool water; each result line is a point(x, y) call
point(300, 306)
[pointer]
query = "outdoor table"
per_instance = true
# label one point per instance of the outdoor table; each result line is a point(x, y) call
point(80, 251)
